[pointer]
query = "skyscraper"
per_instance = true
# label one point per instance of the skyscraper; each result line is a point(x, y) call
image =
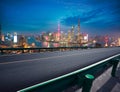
point(118, 41)
point(79, 37)
point(72, 33)
point(58, 33)
point(78, 26)
point(58, 27)
point(15, 37)
point(0, 32)
point(22, 41)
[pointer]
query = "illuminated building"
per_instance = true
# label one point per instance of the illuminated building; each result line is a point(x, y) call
point(59, 33)
point(15, 37)
point(46, 44)
point(0, 33)
point(69, 36)
point(33, 45)
point(106, 41)
point(72, 33)
point(8, 37)
point(78, 26)
point(59, 28)
point(118, 41)
point(22, 41)
point(63, 41)
point(79, 37)
point(85, 38)
point(47, 38)
point(3, 38)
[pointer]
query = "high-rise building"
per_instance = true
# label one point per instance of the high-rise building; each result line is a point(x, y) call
point(106, 39)
point(85, 38)
point(58, 33)
point(15, 38)
point(72, 33)
point(79, 35)
point(58, 27)
point(69, 36)
point(3, 38)
point(0, 32)
point(22, 41)
point(78, 26)
point(118, 41)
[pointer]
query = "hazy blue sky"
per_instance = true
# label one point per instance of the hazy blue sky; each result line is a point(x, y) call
point(36, 16)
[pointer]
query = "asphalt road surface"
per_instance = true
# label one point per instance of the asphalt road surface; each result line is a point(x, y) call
point(24, 70)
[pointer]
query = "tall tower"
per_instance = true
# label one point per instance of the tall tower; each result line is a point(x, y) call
point(58, 27)
point(59, 33)
point(79, 38)
point(72, 32)
point(78, 26)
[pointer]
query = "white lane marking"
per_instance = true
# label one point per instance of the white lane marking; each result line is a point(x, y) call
point(19, 61)
point(39, 58)
point(44, 58)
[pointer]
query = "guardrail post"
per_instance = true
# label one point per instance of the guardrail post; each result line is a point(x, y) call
point(87, 84)
point(115, 63)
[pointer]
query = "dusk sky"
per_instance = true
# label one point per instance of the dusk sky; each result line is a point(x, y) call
point(35, 16)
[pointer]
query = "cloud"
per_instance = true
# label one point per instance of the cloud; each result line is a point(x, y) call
point(44, 14)
point(96, 14)
point(84, 18)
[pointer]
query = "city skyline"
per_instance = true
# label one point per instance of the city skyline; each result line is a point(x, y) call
point(36, 16)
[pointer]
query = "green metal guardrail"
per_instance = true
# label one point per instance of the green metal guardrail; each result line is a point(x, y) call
point(82, 77)
point(23, 50)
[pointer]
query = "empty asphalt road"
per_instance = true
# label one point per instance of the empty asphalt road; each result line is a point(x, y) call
point(24, 70)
